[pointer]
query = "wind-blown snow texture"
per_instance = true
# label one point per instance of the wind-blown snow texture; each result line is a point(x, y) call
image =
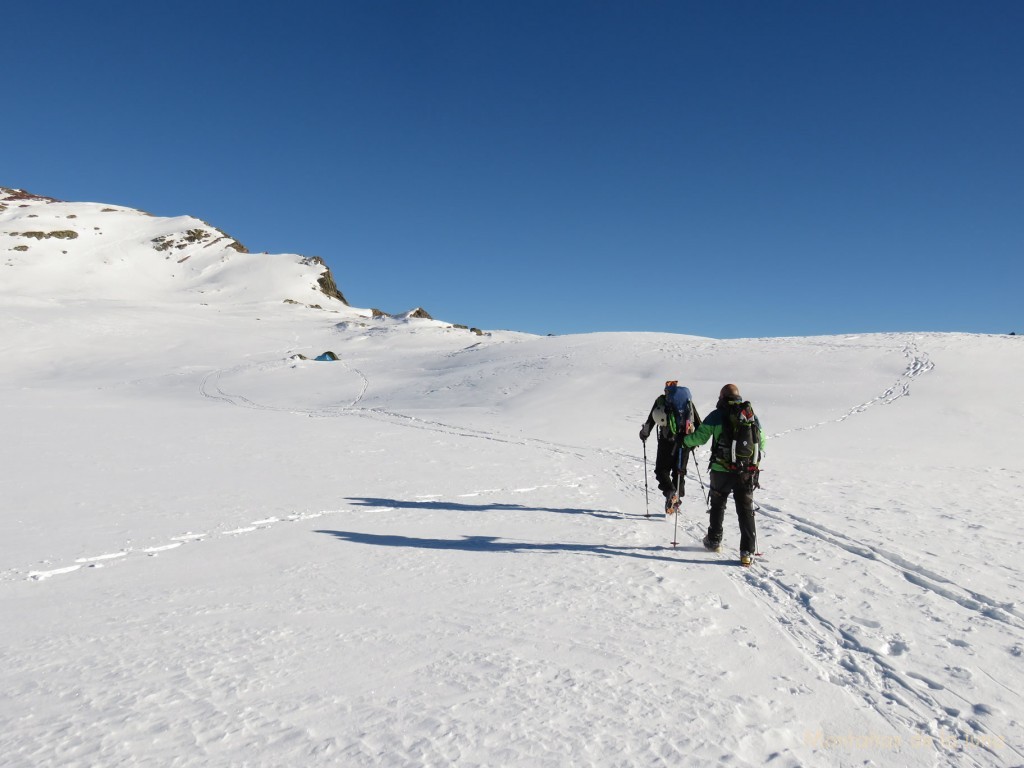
point(434, 551)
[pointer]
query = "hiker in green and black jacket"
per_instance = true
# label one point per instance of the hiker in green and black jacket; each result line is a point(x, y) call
point(737, 446)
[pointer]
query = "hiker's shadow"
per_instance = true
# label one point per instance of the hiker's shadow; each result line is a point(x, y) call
point(496, 544)
point(454, 506)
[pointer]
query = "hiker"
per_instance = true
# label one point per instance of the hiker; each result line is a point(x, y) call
point(737, 447)
point(675, 416)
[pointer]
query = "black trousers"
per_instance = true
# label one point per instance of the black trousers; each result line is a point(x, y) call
point(742, 489)
point(670, 467)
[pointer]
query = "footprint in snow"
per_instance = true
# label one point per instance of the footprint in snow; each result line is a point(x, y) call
point(935, 686)
point(111, 556)
point(43, 575)
point(896, 647)
point(960, 673)
point(161, 548)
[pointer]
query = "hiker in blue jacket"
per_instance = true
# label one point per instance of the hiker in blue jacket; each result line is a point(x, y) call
point(675, 416)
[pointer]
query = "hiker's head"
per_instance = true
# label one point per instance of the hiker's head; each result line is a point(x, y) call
point(670, 384)
point(729, 392)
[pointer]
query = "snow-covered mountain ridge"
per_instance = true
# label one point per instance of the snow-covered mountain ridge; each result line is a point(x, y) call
point(52, 248)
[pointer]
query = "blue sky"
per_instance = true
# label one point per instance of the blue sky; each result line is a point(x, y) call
point(726, 168)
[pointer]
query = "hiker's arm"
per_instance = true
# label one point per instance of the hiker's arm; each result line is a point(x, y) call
point(648, 427)
point(700, 436)
point(694, 415)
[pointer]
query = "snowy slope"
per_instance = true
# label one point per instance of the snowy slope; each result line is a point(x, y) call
point(93, 251)
point(434, 551)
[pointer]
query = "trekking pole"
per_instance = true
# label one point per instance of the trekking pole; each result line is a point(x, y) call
point(647, 490)
point(706, 502)
point(753, 516)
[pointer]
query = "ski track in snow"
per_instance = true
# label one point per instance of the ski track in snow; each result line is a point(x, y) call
point(906, 699)
point(211, 389)
point(1006, 613)
point(918, 365)
point(175, 542)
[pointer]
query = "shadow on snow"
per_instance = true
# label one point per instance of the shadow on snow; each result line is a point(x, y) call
point(457, 507)
point(496, 544)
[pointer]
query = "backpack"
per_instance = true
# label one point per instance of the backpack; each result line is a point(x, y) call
point(678, 408)
point(739, 445)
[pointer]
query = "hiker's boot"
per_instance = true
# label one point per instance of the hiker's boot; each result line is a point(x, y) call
point(712, 545)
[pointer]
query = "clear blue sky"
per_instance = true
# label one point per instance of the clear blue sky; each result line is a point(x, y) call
point(741, 168)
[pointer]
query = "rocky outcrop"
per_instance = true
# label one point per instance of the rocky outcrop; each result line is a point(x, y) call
point(8, 195)
point(326, 280)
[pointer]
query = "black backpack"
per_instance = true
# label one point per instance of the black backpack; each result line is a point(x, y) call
point(739, 445)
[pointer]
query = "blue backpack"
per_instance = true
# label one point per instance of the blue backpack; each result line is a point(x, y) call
point(677, 407)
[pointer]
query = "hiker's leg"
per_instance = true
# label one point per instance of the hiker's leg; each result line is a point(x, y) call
point(681, 462)
point(663, 468)
point(743, 495)
point(718, 497)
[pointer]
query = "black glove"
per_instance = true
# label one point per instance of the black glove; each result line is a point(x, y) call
point(645, 432)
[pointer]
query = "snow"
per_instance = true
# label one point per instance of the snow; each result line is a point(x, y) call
point(434, 551)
